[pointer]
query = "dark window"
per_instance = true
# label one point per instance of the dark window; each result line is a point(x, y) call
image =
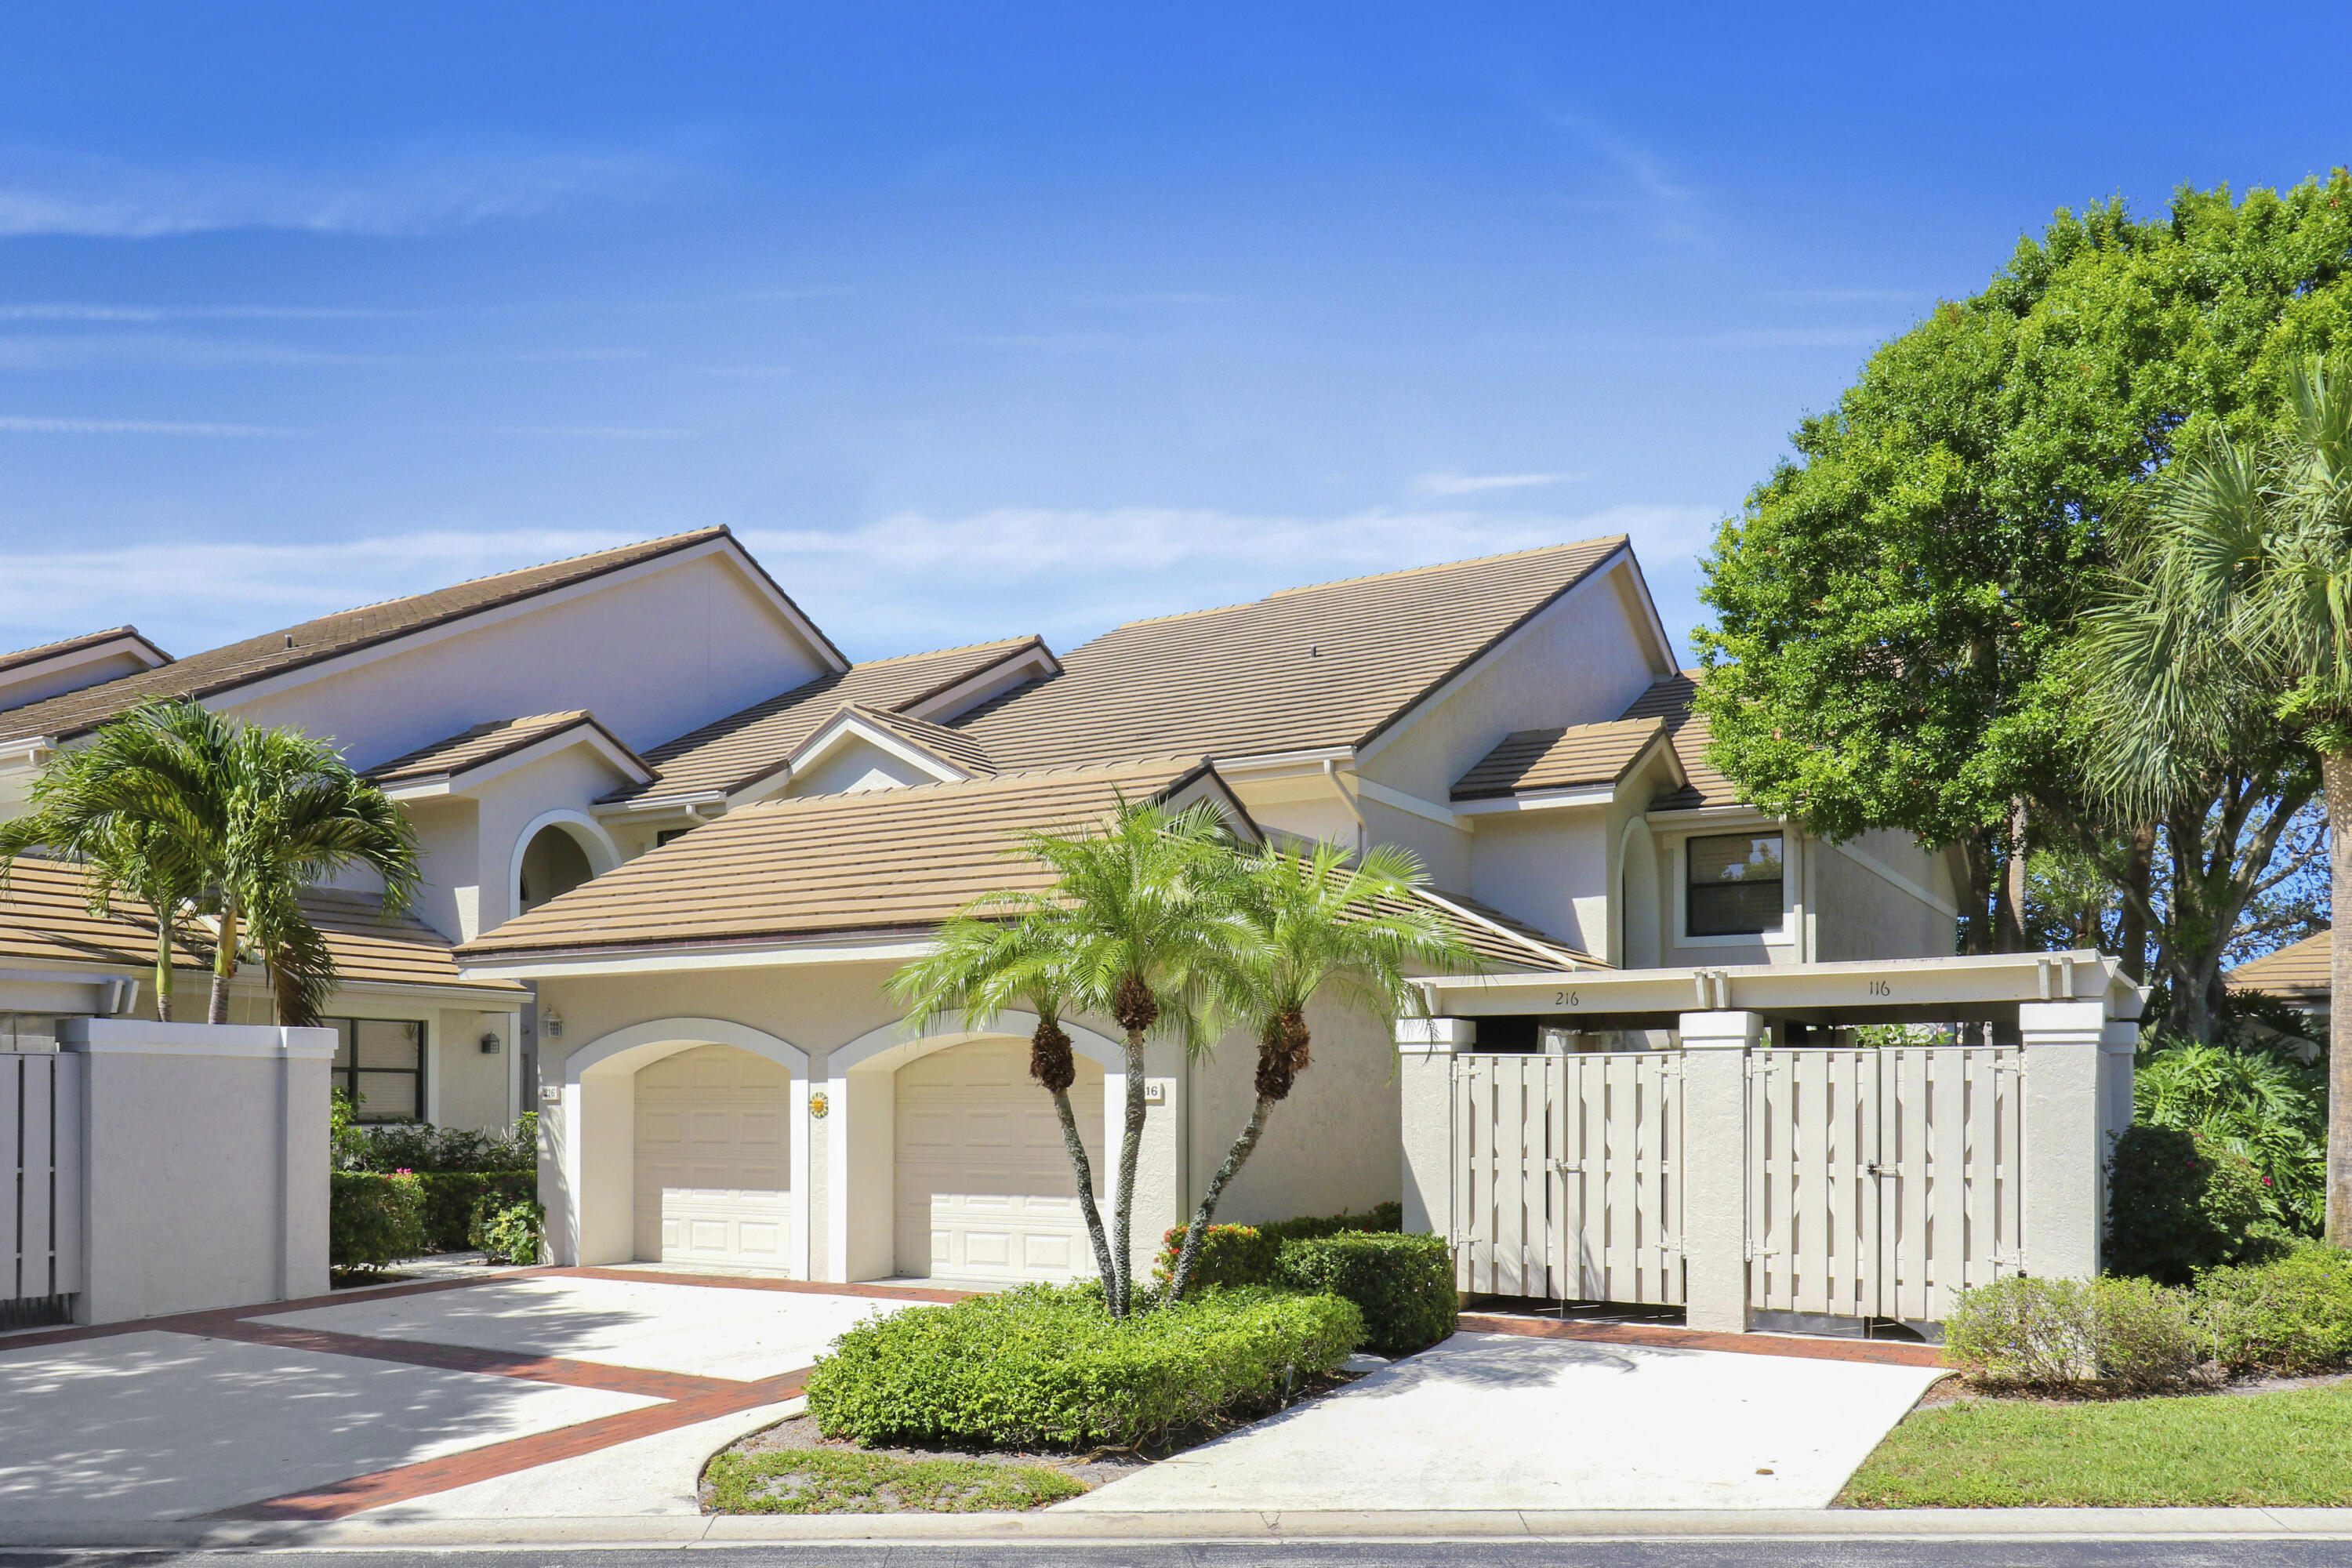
point(1734, 885)
point(666, 834)
point(379, 1063)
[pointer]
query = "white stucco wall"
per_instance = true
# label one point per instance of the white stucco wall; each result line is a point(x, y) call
point(1332, 1145)
point(653, 655)
point(855, 764)
point(1550, 868)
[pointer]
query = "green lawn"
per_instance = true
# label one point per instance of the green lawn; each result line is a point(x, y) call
point(2289, 1448)
point(816, 1481)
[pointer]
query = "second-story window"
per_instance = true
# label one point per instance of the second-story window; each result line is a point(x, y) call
point(1734, 885)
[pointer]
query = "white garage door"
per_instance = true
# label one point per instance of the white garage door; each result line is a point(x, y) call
point(713, 1171)
point(984, 1186)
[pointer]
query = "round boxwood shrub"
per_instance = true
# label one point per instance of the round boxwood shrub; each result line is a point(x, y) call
point(1402, 1284)
point(1230, 1255)
point(2290, 1316)
point(2127, 1335)
point(1046, 1366)
point(2178, 1203)
point(374, 1220)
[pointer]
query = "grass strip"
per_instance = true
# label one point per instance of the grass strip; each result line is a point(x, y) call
point(2291, 1448)
point(814, 1481)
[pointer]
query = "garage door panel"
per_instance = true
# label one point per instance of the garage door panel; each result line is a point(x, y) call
point(712, 1182)
point(985, 1186)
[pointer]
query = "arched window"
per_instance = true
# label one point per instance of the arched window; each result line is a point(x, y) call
point(552, 864)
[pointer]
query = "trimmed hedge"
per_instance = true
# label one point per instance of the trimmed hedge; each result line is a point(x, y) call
point(1045, 1366)
point(374, 1220)
point(1403, 1285)
point(2025, 1331)
point(2292, 1316)
point(2178, 1203)
point(1251, 1254)
point(388, 1146)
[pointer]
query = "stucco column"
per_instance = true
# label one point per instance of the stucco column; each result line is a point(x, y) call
point(2063, 1147)
point(1713, 1163)
point(1426, 1048)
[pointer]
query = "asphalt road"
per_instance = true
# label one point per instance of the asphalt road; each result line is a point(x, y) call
point(2136, 1554)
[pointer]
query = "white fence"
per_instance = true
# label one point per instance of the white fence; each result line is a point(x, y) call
point(40, 1196)
point(1876, 1183)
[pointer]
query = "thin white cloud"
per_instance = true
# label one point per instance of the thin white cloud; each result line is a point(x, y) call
point(61, 350)
point(901, 583)
point(33, 425)
point(405, 191)
point(1474, 484)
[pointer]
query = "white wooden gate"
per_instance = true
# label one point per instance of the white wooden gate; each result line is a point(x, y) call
point(1882, 1181)
point(40, 1196)
point(1879, 1181)
point(1566, 1182)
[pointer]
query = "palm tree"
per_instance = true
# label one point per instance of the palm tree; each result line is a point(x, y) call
point(2231, 618)
point(299, 815)
point(976, 969)
point(194, 811)
point(1316, 916)
point(1132, 927)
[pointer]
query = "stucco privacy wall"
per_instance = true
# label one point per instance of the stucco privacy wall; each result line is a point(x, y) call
point(205, 1174)
point(1332, 1145)
point(654, 650)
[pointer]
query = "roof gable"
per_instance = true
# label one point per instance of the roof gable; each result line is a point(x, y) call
point(330, 638)
point(1575, 756)
point(1330, 666)
point(485, 749)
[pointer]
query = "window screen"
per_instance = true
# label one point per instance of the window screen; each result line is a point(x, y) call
point(1734, 885)
point(379, 1063)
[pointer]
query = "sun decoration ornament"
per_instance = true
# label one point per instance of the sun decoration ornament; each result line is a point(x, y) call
point(819, 1105)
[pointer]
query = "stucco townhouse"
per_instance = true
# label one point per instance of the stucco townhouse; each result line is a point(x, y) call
point(675, 842)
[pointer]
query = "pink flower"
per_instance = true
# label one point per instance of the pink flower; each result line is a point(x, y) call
point(403, 1171)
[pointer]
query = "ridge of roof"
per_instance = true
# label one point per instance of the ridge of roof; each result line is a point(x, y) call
point(949, 746)
point(738, 750)
point(488, 741)
point(332, 635)
point(40, 652)
point(1422, 571)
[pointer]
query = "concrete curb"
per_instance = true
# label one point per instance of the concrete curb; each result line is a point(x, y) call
point(1049, 1529)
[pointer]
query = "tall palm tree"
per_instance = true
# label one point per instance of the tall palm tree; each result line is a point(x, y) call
point(1315, 917)
point(299, 815)
point(194, 811)
point(977, 968)
point(2231, 617)
point(1132, 927)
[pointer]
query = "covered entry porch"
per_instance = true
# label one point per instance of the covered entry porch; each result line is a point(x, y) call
point(1730, 1141)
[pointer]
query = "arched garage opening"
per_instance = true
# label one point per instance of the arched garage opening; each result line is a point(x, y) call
point(945, 1160)
point(685, 1141)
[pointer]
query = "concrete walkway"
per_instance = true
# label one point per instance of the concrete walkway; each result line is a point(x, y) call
point(1504, 1422)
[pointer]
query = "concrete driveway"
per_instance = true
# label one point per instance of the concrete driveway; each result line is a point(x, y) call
point(1490, 1421)
point(318, 1410)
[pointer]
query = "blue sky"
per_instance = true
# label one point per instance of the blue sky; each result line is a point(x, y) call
point(981, 318)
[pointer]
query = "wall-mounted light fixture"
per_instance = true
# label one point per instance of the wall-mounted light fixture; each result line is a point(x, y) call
point(551, 1024)
point(489, 1043)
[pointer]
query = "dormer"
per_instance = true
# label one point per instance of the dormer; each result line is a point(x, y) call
point(53, 668)
point(862, 749)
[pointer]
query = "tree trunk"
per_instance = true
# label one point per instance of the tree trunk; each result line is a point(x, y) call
point(1122, 1214)
point(163, 967)
point(224, 967)
point(2008, 918)
point(1976, 928)
point(1198, 1231)
point(1086, 1170)
point(2139, 875)
point(2336, 771)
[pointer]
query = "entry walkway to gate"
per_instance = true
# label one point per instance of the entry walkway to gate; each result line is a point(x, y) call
point(1741, 1155)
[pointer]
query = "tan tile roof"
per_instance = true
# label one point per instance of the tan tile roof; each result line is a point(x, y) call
point(1327, 666)
point(729, 753)
point(25, 656)
point(43, 916)
point(951, 745)
point(1670, 700)
point(1580, 754)
point(890, 861)
point(2297, 971)
point(1506, 943)
point(328, 637)
point(486, 744)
